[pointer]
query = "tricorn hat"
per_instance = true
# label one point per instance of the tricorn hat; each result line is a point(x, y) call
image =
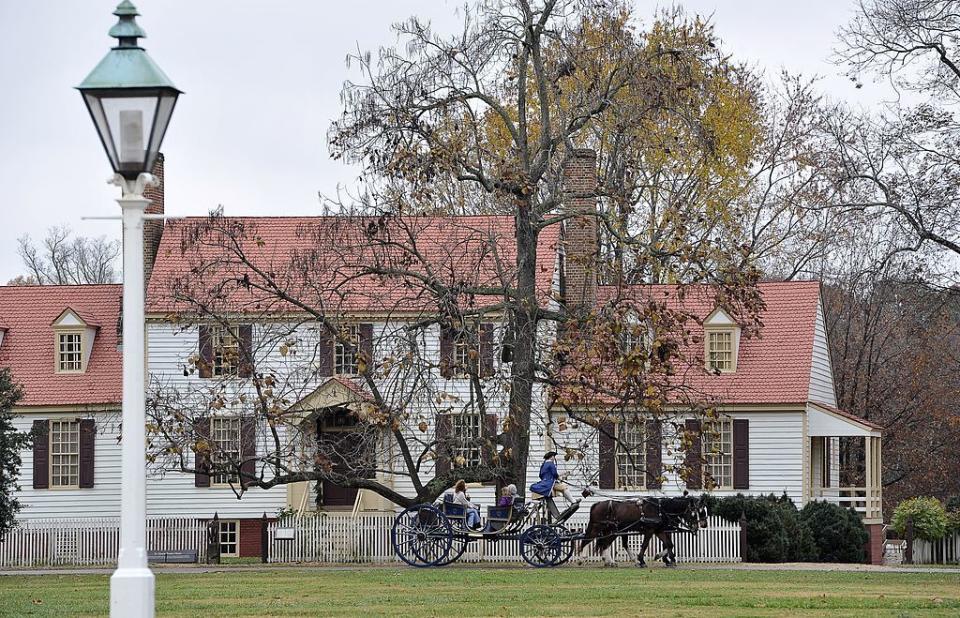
point(549, 454)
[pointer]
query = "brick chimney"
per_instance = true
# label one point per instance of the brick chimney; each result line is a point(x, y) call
point(580, 233)
point(153, 230)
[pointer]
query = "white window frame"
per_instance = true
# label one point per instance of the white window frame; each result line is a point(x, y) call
point(344, 360)
point(716, 440)
point(222, 451)
point(225, 339)
point(226, 531)
point(728, 363)
point(463, 344)
point(631, 463)
point(466, 431)
point(80, 365)
point(56, 464)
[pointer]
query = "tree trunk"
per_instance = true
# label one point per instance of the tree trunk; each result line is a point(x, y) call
point(517, 439)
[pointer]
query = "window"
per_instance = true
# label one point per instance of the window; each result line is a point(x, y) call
point(229, 538)
point(226, 350)
point(225, 436)
point(718, 452)
point(64, 453)
point(461, 351)
point(720, 350)
point(467, 429)
point(631, 455)
point(345, 357)
point(69, 352)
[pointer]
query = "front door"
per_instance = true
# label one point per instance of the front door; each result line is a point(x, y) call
point(340, 439)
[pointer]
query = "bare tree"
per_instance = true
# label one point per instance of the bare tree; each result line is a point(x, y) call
point(485, 121)
point(901, 167)
point(66, 260)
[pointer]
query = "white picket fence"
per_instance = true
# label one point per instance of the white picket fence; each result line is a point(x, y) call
point(336, 538)
point(93, 541)
point(944, 551)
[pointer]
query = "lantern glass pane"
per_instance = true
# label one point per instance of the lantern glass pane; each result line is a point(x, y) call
point(100, 120)
point(130, 120)
point(165, 105)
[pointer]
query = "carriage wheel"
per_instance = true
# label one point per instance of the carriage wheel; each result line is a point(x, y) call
point(422, 536)
point(541, 546)
point(568, 542)
point(457, 547)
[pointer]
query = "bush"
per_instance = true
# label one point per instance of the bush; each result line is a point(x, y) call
point(774, 530)
point(953, 521)
point(929, 518)
point(838, 533)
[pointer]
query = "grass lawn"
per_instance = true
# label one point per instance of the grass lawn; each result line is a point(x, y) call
point(457, 592)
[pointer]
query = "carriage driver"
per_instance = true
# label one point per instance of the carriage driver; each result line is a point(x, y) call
point(549, 483)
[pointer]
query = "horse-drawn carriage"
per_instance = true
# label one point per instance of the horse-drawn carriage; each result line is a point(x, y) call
point(427, 535)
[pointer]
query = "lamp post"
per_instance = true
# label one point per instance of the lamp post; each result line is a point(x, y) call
point(130, 101)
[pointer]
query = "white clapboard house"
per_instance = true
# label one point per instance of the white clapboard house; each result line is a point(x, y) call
point(777, 431)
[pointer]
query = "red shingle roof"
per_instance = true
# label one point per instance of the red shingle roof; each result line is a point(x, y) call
point(28, 346)
point(771, 368)
point(318, 259)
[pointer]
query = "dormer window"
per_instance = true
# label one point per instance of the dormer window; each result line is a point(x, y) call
point(70, 352)
point(721, 342)
point(73, 342)
point(720, 350)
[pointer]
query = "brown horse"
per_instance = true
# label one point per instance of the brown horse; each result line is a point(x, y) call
point(647, 516)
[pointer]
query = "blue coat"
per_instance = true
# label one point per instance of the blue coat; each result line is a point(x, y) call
point(548, 478)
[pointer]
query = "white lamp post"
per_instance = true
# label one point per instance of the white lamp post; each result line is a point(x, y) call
point(131, 100)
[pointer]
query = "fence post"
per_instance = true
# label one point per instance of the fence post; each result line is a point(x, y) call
point(908, 551)
point(213, 540)
point(264, 540)
point(743, 538)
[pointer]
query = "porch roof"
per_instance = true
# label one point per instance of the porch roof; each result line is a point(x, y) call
point(827, 421)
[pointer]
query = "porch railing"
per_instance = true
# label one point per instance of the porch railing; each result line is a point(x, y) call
point(868, 501)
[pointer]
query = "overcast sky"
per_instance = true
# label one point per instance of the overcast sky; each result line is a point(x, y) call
point(262, 82)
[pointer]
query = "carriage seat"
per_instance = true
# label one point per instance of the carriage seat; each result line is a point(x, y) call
point(453, 510)
point(498, 517)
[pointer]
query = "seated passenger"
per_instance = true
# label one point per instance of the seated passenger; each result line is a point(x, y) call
point(473, 511)
point(507, 495)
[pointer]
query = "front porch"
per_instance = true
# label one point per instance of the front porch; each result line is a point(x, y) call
point(845, 462)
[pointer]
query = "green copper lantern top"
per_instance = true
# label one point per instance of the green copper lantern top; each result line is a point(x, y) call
point(127, 65)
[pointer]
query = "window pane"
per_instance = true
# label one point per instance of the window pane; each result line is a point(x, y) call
point(70, 353)
point(345, 357)
point(225, 435)
point(226, 350)
point(720, 350)
point(229, 538)
point(718, 452)
point(631, 455)
point(64, 453)
point(467, 433)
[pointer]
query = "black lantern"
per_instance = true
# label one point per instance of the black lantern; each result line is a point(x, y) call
point(129, 98)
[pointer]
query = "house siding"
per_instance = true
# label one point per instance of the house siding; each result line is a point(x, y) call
point(821, 371)
point(776, 456)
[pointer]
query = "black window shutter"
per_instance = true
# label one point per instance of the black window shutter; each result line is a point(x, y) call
point(486, 350)
point(827, 456)
point(693, 462)
point(325, 352)
point(88, 437)
point(205, 366)
point(741, 453)
point(654, 438)
point(202, 460)
point(444, 430)
point(608, 456)
point(245, 343)
point(446, 351)
point(366, 345)
point(248, 449)
point(41, 454)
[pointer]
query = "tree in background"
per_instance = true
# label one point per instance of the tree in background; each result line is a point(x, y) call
point(63, 259)
point(900, 168)
point(12, 442)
